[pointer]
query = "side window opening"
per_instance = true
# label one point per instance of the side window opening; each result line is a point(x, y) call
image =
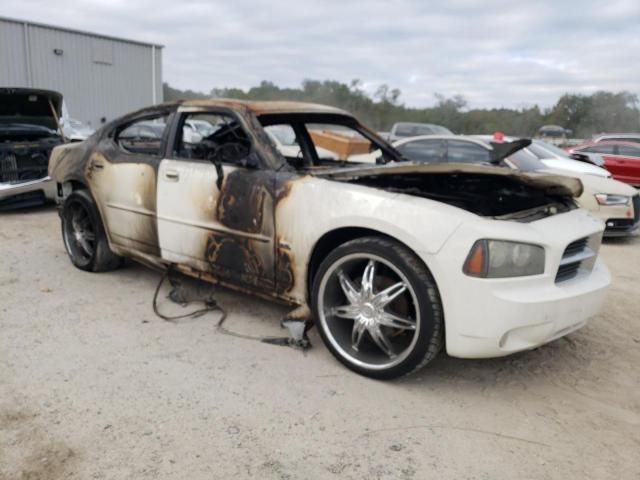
point(143, 136)
point(216, 137)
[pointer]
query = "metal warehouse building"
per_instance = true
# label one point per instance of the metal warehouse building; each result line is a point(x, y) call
point(100, 77)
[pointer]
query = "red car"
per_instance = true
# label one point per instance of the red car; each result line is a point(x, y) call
point(622, 159)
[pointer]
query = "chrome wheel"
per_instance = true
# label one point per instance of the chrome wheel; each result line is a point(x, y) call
point(79, 232)
point(369, 311)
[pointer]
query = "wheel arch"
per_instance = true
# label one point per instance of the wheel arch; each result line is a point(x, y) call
point(69, 185)
point(415, 270)
point(76, 184)
point(336, 237)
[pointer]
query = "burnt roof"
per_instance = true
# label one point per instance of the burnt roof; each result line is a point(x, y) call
point(265, 107)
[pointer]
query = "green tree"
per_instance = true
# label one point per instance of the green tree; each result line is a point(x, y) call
point(584, 114)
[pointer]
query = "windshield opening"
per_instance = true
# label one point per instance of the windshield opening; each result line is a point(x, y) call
point(308, 141)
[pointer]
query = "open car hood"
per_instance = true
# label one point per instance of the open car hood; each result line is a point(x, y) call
point(29, 106)
point(550, 183)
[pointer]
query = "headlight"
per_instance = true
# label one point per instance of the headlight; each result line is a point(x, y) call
point(608, 199)
point(500, 259)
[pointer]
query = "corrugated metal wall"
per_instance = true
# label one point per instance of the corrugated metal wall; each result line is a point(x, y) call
point(13, 64)
point(98, 77)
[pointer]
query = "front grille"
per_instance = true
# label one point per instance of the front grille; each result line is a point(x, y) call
point(8, 168)
point(15, 167)
point(579, 254)
point(575, 247)
point(636, 208)
point(567, 271)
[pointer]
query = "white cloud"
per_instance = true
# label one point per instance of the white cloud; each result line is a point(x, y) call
point(495, 53)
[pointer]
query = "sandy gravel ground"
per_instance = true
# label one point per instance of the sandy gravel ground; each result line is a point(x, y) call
point(94, 386)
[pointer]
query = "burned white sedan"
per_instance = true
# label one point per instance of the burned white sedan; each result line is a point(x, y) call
point(392, 261)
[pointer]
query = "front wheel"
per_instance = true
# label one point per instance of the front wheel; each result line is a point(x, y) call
point(83, 234)
point(378, 308)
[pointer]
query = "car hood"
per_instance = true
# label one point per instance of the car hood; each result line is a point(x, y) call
point(551, 183)
point(575, 166)
point(28, 106)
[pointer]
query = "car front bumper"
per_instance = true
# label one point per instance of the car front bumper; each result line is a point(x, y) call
point(496, 317)
point(625, 221)
point(525, 317)
point(26, 194)
point(621, 227)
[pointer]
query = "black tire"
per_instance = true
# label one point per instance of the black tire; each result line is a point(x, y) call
point(83, 234)
point(418, 332)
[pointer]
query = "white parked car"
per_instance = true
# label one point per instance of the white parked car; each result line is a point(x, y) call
point(202, 127)
point(190, 134)
point(556, 158)
point(393, 262)
point(75, 131)
point(285, 141)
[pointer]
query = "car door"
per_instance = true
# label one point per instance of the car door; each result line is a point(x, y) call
point(217, 219)
point(608, 151)
point(628, 159)
point(122, 177)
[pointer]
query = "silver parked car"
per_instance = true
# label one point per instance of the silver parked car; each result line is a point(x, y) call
point(29, 130)
point(402, 130)
point(621, 137)
point(76, 131)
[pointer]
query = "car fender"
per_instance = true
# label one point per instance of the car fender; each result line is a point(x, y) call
point(315, 207)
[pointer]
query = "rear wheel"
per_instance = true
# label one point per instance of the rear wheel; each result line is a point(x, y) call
point(378, 308)
point(83, 235)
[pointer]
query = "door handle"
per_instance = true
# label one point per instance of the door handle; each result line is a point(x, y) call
point(172, 175)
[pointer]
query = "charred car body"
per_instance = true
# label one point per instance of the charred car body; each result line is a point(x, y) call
point(28, 132)
point(393, 260)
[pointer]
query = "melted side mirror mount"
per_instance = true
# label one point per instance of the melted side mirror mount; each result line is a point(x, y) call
point(251, 161)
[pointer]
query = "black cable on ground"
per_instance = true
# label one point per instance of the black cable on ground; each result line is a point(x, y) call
point(212, 305)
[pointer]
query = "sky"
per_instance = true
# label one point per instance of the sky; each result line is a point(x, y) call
point(495, 53)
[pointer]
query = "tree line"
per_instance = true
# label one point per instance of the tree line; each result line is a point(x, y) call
point(583, 115)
